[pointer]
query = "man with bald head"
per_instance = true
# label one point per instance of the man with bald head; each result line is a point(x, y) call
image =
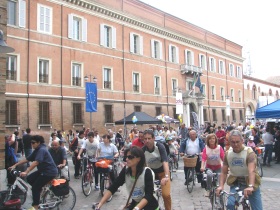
point(58, 154)
point(193, 145)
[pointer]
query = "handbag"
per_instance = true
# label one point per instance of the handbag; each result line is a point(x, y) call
point(127, 205)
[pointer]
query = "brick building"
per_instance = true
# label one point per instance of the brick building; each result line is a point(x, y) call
point(140, 56)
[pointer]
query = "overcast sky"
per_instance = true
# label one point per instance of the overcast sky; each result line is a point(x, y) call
point(254, 24)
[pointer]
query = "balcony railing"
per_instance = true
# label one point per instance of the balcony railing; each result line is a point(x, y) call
point(43, 78)
point(157, 91)
point(76, 81)
point(185, 68)
point(107, 84)
point(11, 75)
point(136, 88)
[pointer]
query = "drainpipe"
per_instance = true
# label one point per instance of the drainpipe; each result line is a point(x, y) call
point(28, 70)
point(165, 64)
point(208, 89)
point(61, 69)
point(124, 95)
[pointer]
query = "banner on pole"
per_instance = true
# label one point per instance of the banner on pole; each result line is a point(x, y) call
point(91, 97)
point(179, 103)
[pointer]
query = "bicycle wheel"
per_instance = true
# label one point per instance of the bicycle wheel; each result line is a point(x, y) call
point(170, 170)
point(259, 165)
point(87, 180)
point(68, 202)
point(190, 179)
point(105, 182)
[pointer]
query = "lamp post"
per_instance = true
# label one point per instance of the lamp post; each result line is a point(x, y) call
point(4, 48)
point(94, 81)
point(228, 108)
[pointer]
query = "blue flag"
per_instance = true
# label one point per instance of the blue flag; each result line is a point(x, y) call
point(198, 84)
point(91, 97)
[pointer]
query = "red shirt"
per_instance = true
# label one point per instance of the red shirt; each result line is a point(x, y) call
point(137, 142)
point(221, 135)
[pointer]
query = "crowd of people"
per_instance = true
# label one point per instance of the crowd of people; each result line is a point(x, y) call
point(146, 155)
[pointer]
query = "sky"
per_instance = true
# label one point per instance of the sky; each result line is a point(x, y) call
point(253, 24)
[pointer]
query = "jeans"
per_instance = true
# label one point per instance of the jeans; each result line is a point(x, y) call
point(209, 178)
point(255, 199)
point(37, 181)
point(268, 153)
point(165, 191)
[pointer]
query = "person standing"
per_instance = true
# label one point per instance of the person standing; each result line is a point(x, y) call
point(240, 163)
point(119, 139)
point(268, 144)
point(183, 132)
point(26, 139)
point(156, 159)
point(221, 135)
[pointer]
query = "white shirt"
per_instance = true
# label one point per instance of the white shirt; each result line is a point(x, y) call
point(192, 147)
point(91, 148)
point(107, 150)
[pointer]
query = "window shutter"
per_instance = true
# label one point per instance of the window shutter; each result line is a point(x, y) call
point(84, 30)
point(114, 38)
point(186, 57)
point(152, 48)
point(22, 13)
point(131, 42)
point(141, 44)
point(160, 50)
point(102, 34)
point(70, 26)
point(177, 55)
point(170, 54)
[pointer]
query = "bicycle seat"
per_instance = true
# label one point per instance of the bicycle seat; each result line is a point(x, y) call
point(12, 202)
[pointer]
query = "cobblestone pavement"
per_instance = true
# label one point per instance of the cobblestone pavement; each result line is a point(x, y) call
point(181, 198)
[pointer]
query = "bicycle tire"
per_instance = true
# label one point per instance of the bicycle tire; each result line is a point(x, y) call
point(87, 181)
point(259, 166)
point(105, 182)
point(190, 179)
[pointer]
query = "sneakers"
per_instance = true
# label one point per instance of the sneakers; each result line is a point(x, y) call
point(97, 187)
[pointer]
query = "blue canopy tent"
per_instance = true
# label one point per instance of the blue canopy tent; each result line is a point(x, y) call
point(269, 111)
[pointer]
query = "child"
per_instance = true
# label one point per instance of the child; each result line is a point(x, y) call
point(251, 143)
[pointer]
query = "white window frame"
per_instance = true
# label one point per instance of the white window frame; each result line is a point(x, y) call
point(158, 48)
point(50, 69)
point(232, 99)
point(189, 56)
point(111, 78)
point(222, 92)
point(17, 66)
point(239, 72)
point(174, 89)
point(231, 69)
point(82, 28)
point(136, 48)
point(20, 13)
point(213, 92)
point(221, 67)
point(240, 96)
point(82, 73)
point(139, 81)
point(173, 53)
point(159, 85)
point(111, 37)
point(202, 61)
point(212, 68)
point(39, 19)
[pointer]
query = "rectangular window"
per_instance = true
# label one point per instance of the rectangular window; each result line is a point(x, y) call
point(212, 64)
point(189, 58)
point(44, 112)
point(190, 85)
point(11, 66)
point(43, 71)
point(205, 115)
point(174, 86)
point(107, 78)
point(77, 28)
point(157, 85)
point(239, 96)
point(238, 72)
point(44, 19)
point(175, 116)
point(203, 89)
point(221, 67)
point(76, 74)
point(232, 94)
point(173, 54)
point(156, 48)
point(136, 82)
point(136, 44)
point(11, 13)
point(231, 70)
point(137, 108)
point(77, 113)
point(213, 92)
point(108, 113)
point(241, 114)
point(214, 114)
point(11, 113)
point(16, 13)
point(222, 94)
point(202, 61)
point(158, 111)
point(233, 115)
point(223, 115)
point(107, 36)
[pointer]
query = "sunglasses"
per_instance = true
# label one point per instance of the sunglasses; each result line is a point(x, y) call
point(33, 142)
point(130, 157)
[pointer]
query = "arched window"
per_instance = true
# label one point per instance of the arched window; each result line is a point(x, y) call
point(254, 90)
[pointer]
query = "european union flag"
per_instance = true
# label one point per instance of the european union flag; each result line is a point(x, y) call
point(91, 97)
point(198, 84)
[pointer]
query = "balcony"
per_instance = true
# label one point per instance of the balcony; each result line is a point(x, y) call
point(185, 69)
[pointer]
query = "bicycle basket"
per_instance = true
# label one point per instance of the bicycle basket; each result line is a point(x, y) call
point(103, 163)
point(60, 187)
point(190, 161)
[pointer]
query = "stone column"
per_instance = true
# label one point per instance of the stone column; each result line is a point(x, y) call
point(186, 116)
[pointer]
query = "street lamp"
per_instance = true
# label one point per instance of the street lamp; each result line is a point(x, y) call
point(89, 93)
point(4, 48)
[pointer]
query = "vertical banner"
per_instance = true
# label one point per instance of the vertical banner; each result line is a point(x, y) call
point(91, 97)
point(179, 103)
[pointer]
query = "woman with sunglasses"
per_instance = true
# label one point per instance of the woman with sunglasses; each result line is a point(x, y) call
point(46, 168)
point(142, 195)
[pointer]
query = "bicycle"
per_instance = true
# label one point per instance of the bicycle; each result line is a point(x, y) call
point(239, 199)
point(19, 196)
point(216, 204)
point(259, 152)
point(158, 193)
point(190, 162)
point(88, 176)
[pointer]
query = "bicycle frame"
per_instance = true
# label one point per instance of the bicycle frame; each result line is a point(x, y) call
point(239, 198)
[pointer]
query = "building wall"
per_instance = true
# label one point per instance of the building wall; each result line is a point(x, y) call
point(126, 16)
